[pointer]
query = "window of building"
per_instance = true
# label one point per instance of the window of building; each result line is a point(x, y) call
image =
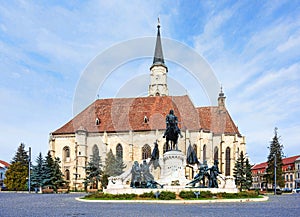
point(66, 154)
point(291, 185)
point(216, 153)
point(291, 177)
point(119, 151)
point(67, 174)
point(95, 150)
point(1, 175)
point(146, 151)
point(287, 178)
point(195, 149)
point(97, 122)
point(298, 166)
point(227, 162)
point(146, 119)
point(204, 152)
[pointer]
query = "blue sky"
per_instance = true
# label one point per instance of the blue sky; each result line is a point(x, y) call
point(252, 46)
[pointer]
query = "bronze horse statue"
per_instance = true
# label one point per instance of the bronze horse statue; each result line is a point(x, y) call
point(172, 136)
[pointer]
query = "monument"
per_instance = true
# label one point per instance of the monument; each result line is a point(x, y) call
point(139, 178)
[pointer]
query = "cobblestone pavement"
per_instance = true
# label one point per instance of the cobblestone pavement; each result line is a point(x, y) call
point(24, 204)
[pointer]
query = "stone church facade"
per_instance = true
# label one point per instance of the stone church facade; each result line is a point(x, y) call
point(130, 126)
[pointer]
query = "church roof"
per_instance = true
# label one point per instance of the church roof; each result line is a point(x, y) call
point(216, 120)
point(147, 113)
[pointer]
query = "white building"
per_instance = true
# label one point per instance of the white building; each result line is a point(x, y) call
point(3, 167)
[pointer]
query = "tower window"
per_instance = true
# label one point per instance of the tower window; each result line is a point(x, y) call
point(97, 122)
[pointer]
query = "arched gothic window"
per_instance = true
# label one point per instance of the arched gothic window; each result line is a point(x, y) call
point(204, 152)
point(216, 153)
point(227, 162)
point(66, 153)
point(195, 149)
point(119, 151)
point(67, 174)
point(95, 150)
point(146, 151)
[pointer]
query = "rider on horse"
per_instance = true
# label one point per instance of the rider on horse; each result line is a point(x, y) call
point(171, 122)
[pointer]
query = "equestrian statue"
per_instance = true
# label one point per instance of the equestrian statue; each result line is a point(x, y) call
point(172, 131)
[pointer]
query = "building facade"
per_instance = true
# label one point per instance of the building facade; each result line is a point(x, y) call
point(130, 126)
point(290, 173)
point(3, 167)
point(297, 173)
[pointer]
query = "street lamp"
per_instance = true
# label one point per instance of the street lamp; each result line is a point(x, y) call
point(29, 165)
point(275, 166)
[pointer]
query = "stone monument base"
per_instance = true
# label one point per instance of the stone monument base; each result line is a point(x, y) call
point(173, 169)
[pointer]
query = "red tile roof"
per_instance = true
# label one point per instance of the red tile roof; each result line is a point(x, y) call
point(216, 120)
point(4, 163)
point(124, 114)
point(260, 166)
point(285, 162)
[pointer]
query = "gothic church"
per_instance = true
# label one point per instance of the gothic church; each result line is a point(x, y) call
point(130, 126)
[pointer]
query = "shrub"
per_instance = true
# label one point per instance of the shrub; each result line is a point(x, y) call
point(147, 195)
point(167, 195)
point(187, 194)
point(104, 196)
point(206, 194)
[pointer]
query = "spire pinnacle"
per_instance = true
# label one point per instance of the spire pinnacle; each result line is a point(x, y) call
point(158, 53)
point(158, 23)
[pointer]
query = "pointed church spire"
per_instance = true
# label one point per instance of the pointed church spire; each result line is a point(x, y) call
point(158, 71)
point(158, 53)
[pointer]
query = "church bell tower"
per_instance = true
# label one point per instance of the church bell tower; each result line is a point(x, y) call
point(158, 71)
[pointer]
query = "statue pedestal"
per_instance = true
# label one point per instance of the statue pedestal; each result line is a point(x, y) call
point(173, 169)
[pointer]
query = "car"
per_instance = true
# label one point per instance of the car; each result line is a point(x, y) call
point(278, 191)
point(296, 190)
point(286, 190)
point(3, 188)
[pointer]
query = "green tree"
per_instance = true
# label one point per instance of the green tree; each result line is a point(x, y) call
point(120, 166)
point(248, 173)
point(37, 172)
point(110, 168)
point(17, 173)
point(21, 155)
point(93, 170)
point(16, 177)
point(242, 172)
point(239, 172)
point(58, 180)
point(276, 153)
point(48, 168)
point(52, 177)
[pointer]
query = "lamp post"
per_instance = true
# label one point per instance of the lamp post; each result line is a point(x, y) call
point(29, 165)
point(275, 166)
